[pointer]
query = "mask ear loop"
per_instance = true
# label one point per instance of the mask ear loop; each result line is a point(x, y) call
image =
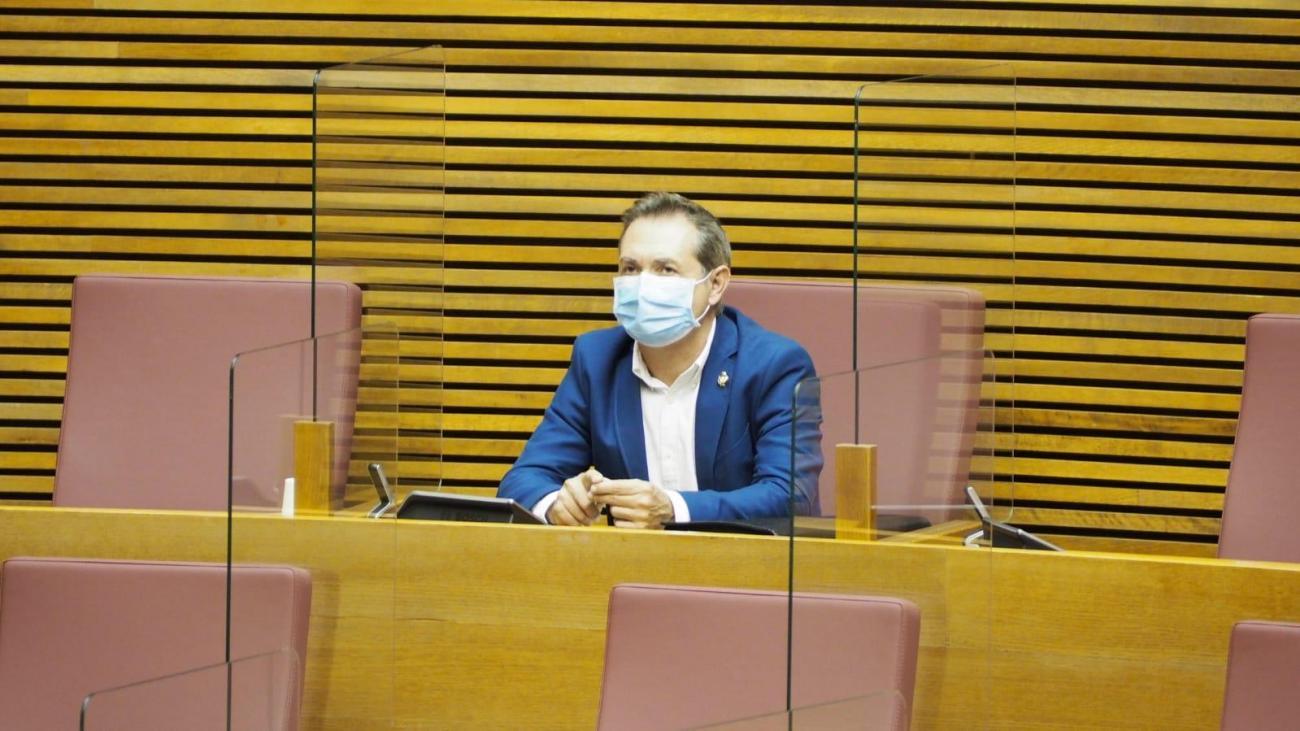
point(710, 273)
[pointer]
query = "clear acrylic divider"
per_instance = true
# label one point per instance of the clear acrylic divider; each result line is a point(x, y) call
point(914, 427)
point(890, 573)
point(914, 394)
point(497, 617)
point(252, 693)
point(1131, 626)
point(883, 710)
point(378, 216)
point(378, 222)
point(314, 427)
point(1132, 377)
point(934, 221)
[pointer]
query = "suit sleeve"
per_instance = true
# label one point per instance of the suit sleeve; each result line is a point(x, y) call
point(561, 446)
point(778, 408)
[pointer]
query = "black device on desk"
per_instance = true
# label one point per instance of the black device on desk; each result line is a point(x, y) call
point(1003, 535)
point(724, 526)
point(464, 509)
point(380, 481)
point(802, 526)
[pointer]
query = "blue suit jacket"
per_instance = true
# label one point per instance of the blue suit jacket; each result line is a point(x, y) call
point(743, 429)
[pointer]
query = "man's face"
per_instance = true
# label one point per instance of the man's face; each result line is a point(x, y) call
point(666, 246)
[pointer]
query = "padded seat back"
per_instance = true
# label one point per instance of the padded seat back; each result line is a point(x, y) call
point(680, 657)
point(146, 409)
point(72, 627)
point(1262, 503)
point(919, 402)
point(1263, 677)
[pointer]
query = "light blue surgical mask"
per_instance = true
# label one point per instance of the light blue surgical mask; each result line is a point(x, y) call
point(656, 310)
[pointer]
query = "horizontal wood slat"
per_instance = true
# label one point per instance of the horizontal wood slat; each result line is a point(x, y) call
point(1156, 156)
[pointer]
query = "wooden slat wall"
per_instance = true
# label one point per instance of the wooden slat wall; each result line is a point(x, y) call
point(1156, 209)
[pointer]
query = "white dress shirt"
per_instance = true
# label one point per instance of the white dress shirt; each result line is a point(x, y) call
point(668, 420)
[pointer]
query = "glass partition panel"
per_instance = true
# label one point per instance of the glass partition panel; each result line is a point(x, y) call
point(498, 619)
point(921, 420)
point(378, 154)
point(249, 694)
point(934, 220)
point(891, 572)
point(377, 258)
point(1135, 378)
point(313, 435)
point(1162, 453)
point(916, 409)
point(278, 393)
point(874, 711)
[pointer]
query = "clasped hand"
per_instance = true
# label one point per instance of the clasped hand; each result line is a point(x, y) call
point(632, 503)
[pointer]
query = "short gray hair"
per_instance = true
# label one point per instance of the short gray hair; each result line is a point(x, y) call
point(714, 249)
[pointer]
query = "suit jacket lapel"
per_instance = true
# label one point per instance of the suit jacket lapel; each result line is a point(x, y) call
point(714, 397)
point(627, 417)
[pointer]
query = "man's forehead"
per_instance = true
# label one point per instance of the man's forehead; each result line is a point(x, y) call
point(659, 237)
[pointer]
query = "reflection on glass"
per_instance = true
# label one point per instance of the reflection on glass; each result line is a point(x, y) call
point(309, 421)
point(331, 399)
point(886, 710)
point(935, 174)
point(899, 444)
point(903, 442)
point(909, 407)
point(260, 691)
point(378, 200)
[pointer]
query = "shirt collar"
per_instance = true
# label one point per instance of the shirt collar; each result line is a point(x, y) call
point(692, 372)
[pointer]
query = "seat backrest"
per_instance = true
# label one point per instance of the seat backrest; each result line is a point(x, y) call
point(1262, 503)
point(1263, 677)
point(72, 627)
point(681, 657)
point(146, 409)
point(919, 403)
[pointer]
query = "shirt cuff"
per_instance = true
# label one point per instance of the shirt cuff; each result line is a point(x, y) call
point(681, 513)
point(543, 506)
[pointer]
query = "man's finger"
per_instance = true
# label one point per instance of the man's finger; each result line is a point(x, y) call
point(577, 514)
point(559, 515)
point(585, 504)
point(626, 500)
point(636, 514)
point(581, 496)
point(607, 488)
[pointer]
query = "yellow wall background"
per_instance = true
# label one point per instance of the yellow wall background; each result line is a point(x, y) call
point(1158, 160)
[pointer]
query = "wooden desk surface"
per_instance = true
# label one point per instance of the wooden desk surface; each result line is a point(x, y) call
point(486, 626)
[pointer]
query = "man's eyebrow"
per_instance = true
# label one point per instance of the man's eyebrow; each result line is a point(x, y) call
point(665, 262)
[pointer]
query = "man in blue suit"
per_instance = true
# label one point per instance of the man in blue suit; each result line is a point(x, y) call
point(683, 411)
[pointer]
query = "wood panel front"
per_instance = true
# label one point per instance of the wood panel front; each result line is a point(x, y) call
point(481, 626)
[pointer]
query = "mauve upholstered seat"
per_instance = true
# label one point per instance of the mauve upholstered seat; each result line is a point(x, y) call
point(146, 410)
point(1261, 507)
point(681, 657)
point(921, 350)
point(72, 627)
point(1263, 691)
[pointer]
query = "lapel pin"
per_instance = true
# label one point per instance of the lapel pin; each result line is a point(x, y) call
point(722, 379)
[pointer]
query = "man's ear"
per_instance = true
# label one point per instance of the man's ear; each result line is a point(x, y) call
point(721, 278)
